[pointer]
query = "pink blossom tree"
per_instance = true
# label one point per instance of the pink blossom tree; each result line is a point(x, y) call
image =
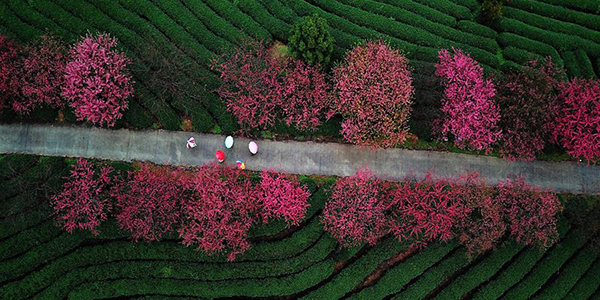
point(41, 74)
point(9, 54)
point(578, 124)
point(469, 112)
point(356, 211)
point(83, 202)
point(531, 214)
point(280, 196)
point(374, 89)
point(527, 100)
point(218, 210)
point(261, 89)
point(427, 211)
point(96, 81)
point(149, 202)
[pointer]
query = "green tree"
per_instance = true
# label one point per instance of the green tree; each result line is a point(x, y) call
point(311, 41)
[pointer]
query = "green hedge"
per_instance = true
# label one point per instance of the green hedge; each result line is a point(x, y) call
point(518, 55)
point(559, 41)
point(591, 6)
point(60, 17)
point(544, 269)
point(28, 239)
point(400, 275)
point(29, 198)
point(167, 117)
point(357, 271)
point(404, 16)
point(571, 64)
point(13, 165)
point(280, 11)
point(481, 272)
point(432, 278)
point(447, 7)
point(216, 23)
point(29, 179)
point(587, 285)
point(25, 12)
point(585, 64)
point(86, 263)
point(519, 267)
point(283, 286)
point(230, 12)
point(279, 29)
point(137, 116)
point(16, 223)
point(541, 49)
point(23, 31)
point(551, 24)
point(570, 274)
point(591, 21)
point(470, 4)
point(477, 29)
point(425, 11)
point(193, 26)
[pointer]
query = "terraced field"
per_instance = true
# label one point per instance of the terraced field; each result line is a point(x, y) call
point(40, 261)
point(569, 31)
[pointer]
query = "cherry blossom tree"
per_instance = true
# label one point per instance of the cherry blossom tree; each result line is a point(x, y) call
point(527, 100)
point(356, 212)
point(426, 211)
point(280, 196)
point(374, 89)
point(469, 112)
point(578, 123)
point(97, 83)
point(261, 89)
point(41, 74)
point(531, 214)
point(9, 54)
point(149, 202)
point(218, 210)
point(83, 201)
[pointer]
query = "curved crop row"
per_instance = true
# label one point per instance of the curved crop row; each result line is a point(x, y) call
point(400, 275)
point(570, 274)
point(357, 271)
point(591, 21)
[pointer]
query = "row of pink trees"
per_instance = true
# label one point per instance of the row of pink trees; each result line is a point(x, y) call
point(529, 109)
point(211, 208)
point(372, 89)
point(364, 208)
point(91, 77)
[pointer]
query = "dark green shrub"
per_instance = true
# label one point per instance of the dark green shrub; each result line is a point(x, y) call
point(491, 11)
point(311, 41)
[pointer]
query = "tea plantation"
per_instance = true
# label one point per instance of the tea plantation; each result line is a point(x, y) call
point(39, 260)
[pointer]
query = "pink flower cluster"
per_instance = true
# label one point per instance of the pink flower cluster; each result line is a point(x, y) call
point(356, 211)
point(578, 123)
point(261, 89)
point(148, 203)
point(83, 202)
point(41, 75)
point(374, 89)
point(282, 198)
point(8, 58)
point(470, 113)
point(426, 211)
point(96, 81)
point(527, 100)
